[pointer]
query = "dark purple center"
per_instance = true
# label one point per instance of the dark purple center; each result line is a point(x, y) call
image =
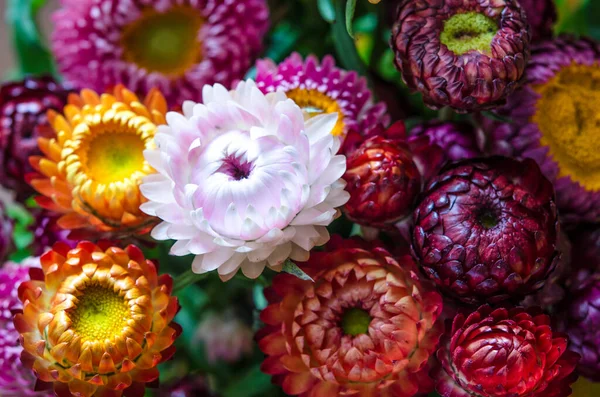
point(236, 168)
point(487, 218)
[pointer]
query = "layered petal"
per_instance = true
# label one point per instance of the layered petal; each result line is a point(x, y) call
point(244, 181)
point(97, 321)
point(175, 46)
point(365, 327)
point(23, 107)
point(554, 121)
point(502, 353)
point(91, 168)
point(468, 55)
point(322, 87)
point(487, 229)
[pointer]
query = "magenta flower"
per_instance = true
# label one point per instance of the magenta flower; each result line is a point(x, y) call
point(176, 46)
point(15, 379)
point(323, 88)
point(554, 120)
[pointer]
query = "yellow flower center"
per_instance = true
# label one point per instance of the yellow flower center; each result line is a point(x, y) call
point(166, 42)
point(314, 103)
point(469, 31)
point(113, 156)
point(568, 116)
point(356, 321)
point(100, 314)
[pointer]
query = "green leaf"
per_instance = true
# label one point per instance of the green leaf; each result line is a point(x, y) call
point(260, 302)
point(253, 383)
point(496, 117)
point(283, 40)
point(326, 10)
point(350, 10)
point(344, 44)
point(32, 55)
point(293, 269)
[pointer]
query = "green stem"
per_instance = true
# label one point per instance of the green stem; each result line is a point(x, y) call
point(446, 114)
point(186, 279)
point(344, 44)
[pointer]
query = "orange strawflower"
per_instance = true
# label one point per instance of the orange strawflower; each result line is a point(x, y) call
point(91, 170)
point(366, 327)
point(96, 321)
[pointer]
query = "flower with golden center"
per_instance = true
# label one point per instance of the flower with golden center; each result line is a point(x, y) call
point(91, 170)
point(365, 327)
point(97, 320)
point(555, 121)
point(178, 46)
point(320, 87)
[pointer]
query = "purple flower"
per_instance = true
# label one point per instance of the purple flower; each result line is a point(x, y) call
point(457, 140)
point(324, 88)
point(176, 46)
point(225, 337)
point(554, 120)
point(46, 232)
point(15, 379)
point(541, 15)
point(23, 107)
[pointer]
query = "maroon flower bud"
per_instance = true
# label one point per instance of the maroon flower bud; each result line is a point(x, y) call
point(469, 55)
point(486, 229)
point(23, 107)
point(383, 182)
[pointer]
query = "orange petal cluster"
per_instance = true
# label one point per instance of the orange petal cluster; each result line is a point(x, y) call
point(96, 320)
point(310, 354)
point(91, 170)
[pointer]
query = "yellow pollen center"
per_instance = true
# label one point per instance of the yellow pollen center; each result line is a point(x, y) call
point(100, 314)
point(469, 32)
point(166, 42)
point(568, 116)
point(314, 103)
point(114, 156)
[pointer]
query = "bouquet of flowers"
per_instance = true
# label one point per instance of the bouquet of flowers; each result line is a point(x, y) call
point(314, 198)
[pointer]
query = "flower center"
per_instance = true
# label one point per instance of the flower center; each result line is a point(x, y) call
point(236, 168)
point(355, 322)
point(469, 31)
point(568, 116)
point(166, 42)
point(100, 314)
point(487, 219)
point(114, 156)
point(314, 103)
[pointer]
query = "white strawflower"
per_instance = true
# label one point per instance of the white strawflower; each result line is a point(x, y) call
point(244, 181)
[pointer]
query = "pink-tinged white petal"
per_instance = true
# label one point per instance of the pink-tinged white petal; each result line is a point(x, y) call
point(250, 184)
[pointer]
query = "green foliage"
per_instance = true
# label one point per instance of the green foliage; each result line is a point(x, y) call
point(32, 55)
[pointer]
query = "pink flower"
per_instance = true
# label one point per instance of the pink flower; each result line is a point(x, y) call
point(225, 338)
point(177, 46)
point(323, 88)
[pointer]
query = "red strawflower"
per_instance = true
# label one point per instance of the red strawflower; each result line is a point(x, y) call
point(383, 182)
point(23, 107)
point(486, 229)
point(504, 353)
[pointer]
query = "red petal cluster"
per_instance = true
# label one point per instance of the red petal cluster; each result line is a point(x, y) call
point(504, 353)
point(383, 182)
